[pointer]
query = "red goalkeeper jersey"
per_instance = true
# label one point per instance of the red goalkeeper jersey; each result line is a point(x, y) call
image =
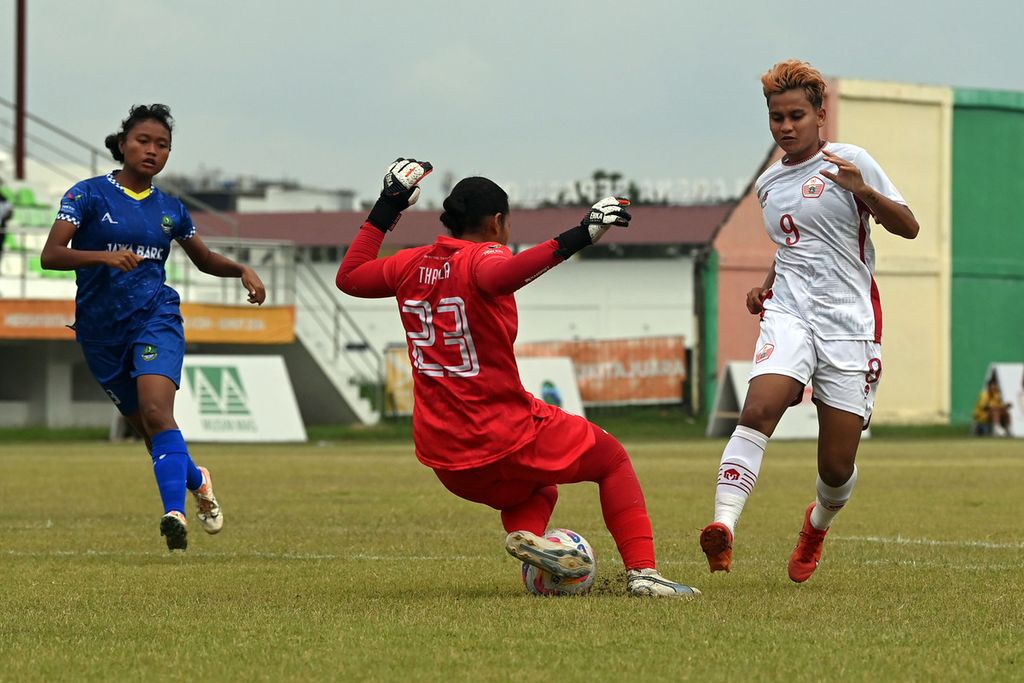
point(457, 306)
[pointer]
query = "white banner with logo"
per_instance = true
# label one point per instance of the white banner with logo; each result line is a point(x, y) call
point(552, 380)
point(798, 422)
point(1010, 378)
point(237, 398)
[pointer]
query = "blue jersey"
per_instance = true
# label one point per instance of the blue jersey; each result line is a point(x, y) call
point(112, 304)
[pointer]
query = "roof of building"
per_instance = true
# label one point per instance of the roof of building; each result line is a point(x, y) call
point(651, 225)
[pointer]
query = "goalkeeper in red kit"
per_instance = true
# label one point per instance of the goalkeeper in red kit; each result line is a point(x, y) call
point(487, 439)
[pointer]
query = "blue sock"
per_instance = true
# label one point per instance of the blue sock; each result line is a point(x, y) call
point(174, 469)
point(193, 477)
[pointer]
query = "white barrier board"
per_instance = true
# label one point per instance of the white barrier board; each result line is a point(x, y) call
point(798, 422)
point(552, 380)
point(1011, 385)
point(237, 398)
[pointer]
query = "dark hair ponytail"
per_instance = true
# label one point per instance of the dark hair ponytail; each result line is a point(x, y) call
point(472, 200)
point(160, 113)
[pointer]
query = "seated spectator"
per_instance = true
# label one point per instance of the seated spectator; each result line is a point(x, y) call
point(991, 413)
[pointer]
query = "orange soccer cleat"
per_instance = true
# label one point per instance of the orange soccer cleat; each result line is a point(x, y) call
point(716, 542)
point(807, 553)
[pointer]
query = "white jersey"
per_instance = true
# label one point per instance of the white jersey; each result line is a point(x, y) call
point(825, 261)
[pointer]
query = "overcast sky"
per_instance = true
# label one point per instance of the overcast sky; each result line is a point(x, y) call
point(528, 93)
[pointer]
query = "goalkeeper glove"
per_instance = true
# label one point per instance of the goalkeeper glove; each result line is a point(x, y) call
point(601, 217)
point(401, 190)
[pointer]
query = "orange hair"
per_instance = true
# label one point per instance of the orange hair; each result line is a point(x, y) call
point(795, 74)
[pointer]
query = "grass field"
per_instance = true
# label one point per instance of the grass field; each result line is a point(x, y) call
point(346, 560)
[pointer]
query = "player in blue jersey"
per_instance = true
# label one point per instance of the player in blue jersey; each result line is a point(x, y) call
point(127, 320)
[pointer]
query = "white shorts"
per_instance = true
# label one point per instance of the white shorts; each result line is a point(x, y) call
point(844, 374)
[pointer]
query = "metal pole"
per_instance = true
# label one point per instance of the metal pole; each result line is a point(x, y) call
point(19, 93)
point(24, 267)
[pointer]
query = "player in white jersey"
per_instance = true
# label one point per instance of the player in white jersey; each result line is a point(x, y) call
point(821, 316)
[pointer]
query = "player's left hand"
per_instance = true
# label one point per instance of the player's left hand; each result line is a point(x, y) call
point(846, 175)
point(252, 282)
point(603, 215)
point(401, 190)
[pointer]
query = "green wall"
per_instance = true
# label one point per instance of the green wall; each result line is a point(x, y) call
point(708, 274)
point(988, 239)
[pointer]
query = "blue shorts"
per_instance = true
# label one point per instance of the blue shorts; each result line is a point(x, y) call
point(157, 349)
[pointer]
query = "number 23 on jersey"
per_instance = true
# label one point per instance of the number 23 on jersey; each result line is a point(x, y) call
point(456, 334)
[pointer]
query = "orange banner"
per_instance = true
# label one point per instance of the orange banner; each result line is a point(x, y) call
point(616, 371)
point(210, 324)
point(36, 319)
point(204, 323)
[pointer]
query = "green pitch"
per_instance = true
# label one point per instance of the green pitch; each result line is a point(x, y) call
point(348, 561)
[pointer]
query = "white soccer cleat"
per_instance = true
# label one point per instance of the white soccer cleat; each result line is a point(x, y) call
point(174, 529)
point(551, 556)
point(208, 509)
point(649, 583)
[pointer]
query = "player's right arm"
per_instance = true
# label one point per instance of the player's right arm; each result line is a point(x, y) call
point(75, 209)
point(57, 255)
point(756, 296)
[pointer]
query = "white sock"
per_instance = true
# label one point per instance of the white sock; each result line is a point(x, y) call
point(741, 462)
point(830, 501)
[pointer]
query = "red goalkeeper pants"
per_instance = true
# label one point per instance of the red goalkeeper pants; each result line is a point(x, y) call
point(525, 491)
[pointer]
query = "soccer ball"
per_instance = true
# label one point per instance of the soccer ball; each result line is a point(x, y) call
point(540, 582)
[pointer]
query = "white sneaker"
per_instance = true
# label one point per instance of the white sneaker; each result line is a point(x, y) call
point(175, 529)
point(208, 510)
point(648, 582)
point(550, 556)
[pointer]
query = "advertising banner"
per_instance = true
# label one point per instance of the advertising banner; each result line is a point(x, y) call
point(237, 399)
point(552, 380)
point(36, 319)
point(204, 323)
point(398, 395)
point(211, 324)
point(798, 422)
point(621, 371)
point(1010, 377)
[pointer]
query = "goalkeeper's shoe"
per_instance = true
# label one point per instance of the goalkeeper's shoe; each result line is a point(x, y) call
point(207, 507)
point(807, 552)
point(716, 542)
point(174, 528)
point(553, 557)
point(643, 583)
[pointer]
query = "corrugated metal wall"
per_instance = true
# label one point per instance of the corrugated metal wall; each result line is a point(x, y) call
point(988, 239)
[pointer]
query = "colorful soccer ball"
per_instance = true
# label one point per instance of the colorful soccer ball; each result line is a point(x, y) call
point(540, 582)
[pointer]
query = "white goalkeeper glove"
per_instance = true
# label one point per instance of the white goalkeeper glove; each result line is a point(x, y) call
point(401, 190)
point(606, 213)
point(603, 215)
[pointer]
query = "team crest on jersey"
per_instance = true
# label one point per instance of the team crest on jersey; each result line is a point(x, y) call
point(149, 352)
point(167, 225)
point(765, 353)
point(813, 188)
